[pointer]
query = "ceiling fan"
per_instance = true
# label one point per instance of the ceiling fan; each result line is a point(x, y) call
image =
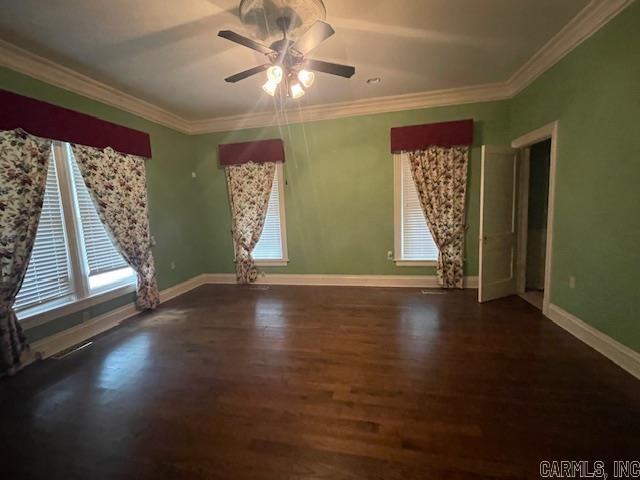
point(288, 65)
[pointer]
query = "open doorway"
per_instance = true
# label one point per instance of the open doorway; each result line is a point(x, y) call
point(537, 185)
point(508, 263)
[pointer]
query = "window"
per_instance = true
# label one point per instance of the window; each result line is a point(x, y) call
point(73, 256)
point(271, 249)
point(48, 277)
point(104, 263)
point(414, 244)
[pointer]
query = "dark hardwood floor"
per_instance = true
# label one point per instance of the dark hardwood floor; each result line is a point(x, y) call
point(320, 383)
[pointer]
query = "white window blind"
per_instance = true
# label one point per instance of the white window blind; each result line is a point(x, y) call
point(417, 242)
point(269, 247)
point(102, 256)
point(47, 276)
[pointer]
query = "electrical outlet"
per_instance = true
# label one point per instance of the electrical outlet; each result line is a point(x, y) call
point(172, 265)
point(193, 175)
point(572, 282)
point(389, 255)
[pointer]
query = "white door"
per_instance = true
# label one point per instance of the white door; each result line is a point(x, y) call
point(498, 226)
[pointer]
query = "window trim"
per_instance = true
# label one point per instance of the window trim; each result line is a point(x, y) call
point(78, 273)
point(83, 296)
point(39, 315)
point(397, 219)
point(130, 279)
point(284, 261)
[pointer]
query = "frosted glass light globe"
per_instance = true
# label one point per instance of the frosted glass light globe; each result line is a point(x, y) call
point(296, 91)
point(274, 74)
point(270, 87)
point(306, 78)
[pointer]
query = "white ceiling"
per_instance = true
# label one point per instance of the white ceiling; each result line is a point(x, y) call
point(167, 51)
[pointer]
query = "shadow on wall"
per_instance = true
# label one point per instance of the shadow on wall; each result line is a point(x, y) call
point(540, 158)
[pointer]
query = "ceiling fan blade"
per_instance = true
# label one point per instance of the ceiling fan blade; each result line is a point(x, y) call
point(332, 68)
point(247, 73)
point(314, 36)
point(247, 42)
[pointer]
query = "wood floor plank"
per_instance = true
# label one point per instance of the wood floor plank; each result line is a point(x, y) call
point(227, 382)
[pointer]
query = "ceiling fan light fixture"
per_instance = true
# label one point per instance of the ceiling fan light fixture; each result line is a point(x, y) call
point(289, 71)
point(306, 78)
point(270, 87)
point(274, 74)
point(296, 91)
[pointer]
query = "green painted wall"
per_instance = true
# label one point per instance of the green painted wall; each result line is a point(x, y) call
point(172, 197)
point(339, 193)
point(594, 93)
point(339, 197)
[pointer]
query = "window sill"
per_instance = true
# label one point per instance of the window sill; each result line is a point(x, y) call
point(416, 263)
point(272, 263)
point(39, 316)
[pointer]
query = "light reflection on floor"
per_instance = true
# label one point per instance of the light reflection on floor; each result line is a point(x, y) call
point(125, 364)
point(54, 397)
point(271, 335)
point(421, 325)
point(122, 367)
point(166, 316)
point(269, 313)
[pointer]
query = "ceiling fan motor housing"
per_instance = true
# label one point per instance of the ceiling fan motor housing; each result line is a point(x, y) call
point(267, 16)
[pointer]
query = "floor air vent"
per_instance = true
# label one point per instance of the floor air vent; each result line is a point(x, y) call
point(70, 350)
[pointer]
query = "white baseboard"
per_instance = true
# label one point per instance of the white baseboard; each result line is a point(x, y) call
point(181, 288)
point(415, 281)
point(218, 278)
point(58, 342)
point(73, 336)
point(471, 282)
point(621, 355)
point(618, 353)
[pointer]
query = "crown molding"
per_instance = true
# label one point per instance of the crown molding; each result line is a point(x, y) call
point(589, 20)
point(394, 103)
point(23, 61)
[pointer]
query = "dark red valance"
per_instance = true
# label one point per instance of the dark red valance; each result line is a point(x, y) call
point(57, 123)
point(443, 134)
point(261, 151)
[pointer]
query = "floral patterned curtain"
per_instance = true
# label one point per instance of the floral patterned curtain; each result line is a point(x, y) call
point(440, 175)
point(117, 183)
point(24, 159)
point(249, 187)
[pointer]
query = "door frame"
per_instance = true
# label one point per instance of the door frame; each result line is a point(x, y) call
point(522, 143)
